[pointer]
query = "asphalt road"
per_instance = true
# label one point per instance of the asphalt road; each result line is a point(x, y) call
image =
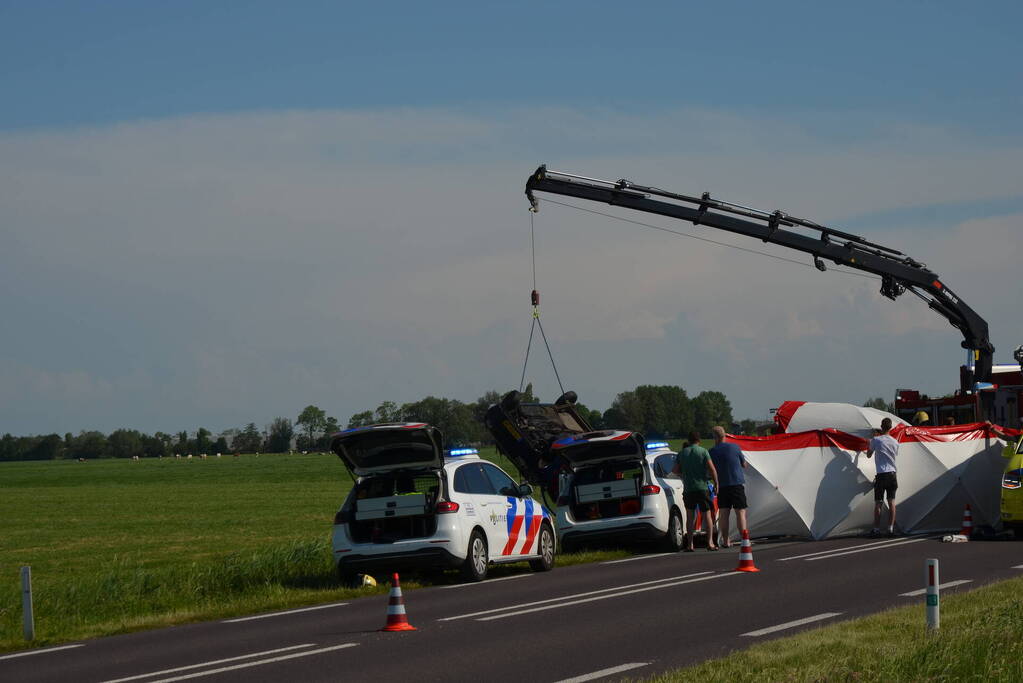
point(604, 621)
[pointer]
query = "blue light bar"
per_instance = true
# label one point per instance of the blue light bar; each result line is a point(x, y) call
point(654, 445)
point(455, 452)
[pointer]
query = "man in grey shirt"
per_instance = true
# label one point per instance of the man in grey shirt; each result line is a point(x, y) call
point(886, 448)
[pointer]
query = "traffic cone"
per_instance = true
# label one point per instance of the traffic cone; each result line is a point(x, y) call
point(967, 529)
point(396, 619)
point(746, 555)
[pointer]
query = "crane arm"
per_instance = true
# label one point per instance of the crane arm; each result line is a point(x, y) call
point(898, 272)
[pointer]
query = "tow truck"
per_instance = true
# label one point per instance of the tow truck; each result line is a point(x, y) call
point(899, 273)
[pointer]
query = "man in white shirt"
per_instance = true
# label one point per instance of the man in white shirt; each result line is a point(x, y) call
point(885, 483)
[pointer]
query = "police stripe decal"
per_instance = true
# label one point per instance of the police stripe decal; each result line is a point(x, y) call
point(514, 526)
point(533, 526)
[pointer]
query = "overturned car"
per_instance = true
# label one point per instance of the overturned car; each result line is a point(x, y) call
point(610, 485)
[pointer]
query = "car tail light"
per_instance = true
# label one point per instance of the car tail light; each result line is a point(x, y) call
point(447, 506)
point(650, 490)
point(341, 517)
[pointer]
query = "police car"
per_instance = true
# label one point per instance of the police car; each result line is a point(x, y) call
point(415, 506)
point(616, 487)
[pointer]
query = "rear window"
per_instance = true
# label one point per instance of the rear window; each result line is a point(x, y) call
point(386, 485)
point(471, 479)
point(601, 450)
point(609, 472)
point(405, 448)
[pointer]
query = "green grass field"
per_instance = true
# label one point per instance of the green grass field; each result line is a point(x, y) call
point(120, 545)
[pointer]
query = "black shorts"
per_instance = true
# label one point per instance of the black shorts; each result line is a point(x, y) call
point(732, 497)
point(697, 499)
point(885, 486)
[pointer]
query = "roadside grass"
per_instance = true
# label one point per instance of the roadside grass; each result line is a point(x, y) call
point(978, 641)
point(121, 545)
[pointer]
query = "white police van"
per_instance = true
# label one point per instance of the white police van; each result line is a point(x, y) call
point(616, 487)
point(412, 506)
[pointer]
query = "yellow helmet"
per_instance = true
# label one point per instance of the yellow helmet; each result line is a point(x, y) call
point(921, 417)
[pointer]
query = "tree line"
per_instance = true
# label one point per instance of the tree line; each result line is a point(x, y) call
point(657, 411)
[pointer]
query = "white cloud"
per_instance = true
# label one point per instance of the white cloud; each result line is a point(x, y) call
point(247, 265)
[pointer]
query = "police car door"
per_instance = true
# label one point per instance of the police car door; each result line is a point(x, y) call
point(522, 516)
point(670, 482)
point(490, 507)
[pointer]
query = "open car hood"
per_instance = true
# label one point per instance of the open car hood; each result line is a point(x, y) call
point(388, 447)
point(592, 448)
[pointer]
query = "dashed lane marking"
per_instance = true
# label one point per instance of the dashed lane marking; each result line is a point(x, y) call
point(569, 597)
point(911, 594)
point(488, 581)
point(283, 614)
point(792, 624)
point(216, 661)
point(604, 672)
point(863, 550)
point(659, 586)
point(41, 652)
point(887, 541)
point(638, 557)
point(258, 662)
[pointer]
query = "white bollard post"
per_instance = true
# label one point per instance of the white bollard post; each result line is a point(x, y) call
point(933, 609)
point(26, 602)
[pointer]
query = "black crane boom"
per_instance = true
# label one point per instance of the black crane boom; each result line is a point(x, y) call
point(898, 272)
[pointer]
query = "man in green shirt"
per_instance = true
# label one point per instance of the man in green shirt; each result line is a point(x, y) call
point(697, 470)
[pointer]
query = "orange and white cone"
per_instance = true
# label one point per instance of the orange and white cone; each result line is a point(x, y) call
point(746, 554)
point(396, 619)
point(967, 529)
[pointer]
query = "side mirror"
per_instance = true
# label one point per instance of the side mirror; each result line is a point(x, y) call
point(525, 490)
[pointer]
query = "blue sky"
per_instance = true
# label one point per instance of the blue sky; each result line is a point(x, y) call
point(216, 213)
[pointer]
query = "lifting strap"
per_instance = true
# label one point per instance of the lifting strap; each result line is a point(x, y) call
point(534, 299)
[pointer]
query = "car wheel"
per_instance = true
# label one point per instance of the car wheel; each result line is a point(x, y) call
point(676, 536)
point(476, 560)
point(545, 544)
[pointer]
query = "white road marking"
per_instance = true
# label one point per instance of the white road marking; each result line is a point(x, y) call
point(40, 652)
point(921, 591)
point(604, 672)
point(281, 614)
point(791, 624)
point(215, 661)
point(259, 662)
point(863, 550)
point(638, 557)
point(605, 597)
point(568, 597)
point(484, 583)
point(835, 550)
point(1018, 566)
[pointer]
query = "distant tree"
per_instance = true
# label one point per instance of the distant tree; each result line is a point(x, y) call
point(361, 419)
point(312, 420)
point(387, 411)
point(156, 445)
point(748, 426)
point(453, 418)
point(330, 428)
point(249, 440)
point(125, 443)
point(654, 410)
point(220, 445)
point(594, 417)
point(202, 440)
point(528, 396)
point(880, 404)
point(281, 432)
point(90, 445)
point(183, 445)
point(711, 408)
